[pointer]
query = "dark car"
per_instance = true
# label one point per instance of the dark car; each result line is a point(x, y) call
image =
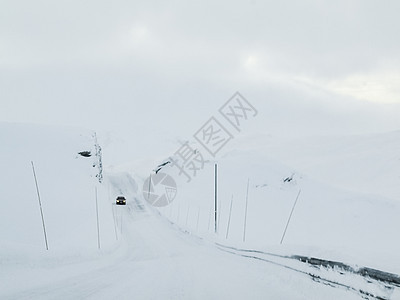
point(121, 200)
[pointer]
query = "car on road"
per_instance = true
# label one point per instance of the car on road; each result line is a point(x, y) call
point(121, 200)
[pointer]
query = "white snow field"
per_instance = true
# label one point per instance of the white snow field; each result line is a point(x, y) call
point(343, 228)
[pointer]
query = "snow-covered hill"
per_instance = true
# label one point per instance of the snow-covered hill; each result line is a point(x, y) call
point(332, 217)
point(66, 183)
point(172, 252)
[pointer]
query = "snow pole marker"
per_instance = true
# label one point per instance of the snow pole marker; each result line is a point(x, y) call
point(113, 211)
point(187, 216)
point(115, 222)
point(229, 220)
point(215, 196)
point(121, 222)
point(148, 193)
point(170, 211)
point(209, 219)
point(290, 216)
point(219, 213)
point(179, 211)
point(97, 217)
point(40, 206)
point(198, 218)
point(245, 213)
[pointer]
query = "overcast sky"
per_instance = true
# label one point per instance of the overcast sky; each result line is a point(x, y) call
point(166, 66)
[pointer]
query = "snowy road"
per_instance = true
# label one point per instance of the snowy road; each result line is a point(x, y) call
point(157, 261)
point(150, 254)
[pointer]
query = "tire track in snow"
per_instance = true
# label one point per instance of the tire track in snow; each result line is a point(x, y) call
point(366, 287)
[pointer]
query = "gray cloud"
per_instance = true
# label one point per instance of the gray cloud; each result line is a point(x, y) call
point(121, 64)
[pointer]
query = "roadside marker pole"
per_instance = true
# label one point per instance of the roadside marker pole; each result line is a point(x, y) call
point(97, 217)
point(115, 221)
point(40, 206)
point(215, 196)
point(245, 213)
point(229, 220)
point(148, 193)
point(209, 219)
point(198, 218)
point(187, 216)
point(290, 216)
point(113, 211)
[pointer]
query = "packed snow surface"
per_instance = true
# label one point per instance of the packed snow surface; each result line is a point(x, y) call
point(347, 210)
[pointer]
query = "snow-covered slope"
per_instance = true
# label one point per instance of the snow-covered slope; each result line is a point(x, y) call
point(367, 164)
point(66, 183)
point(173, 252)
point(329, 220)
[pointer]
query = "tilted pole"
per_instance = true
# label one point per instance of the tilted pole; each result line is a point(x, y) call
point(290, 216)
point(40, 206)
